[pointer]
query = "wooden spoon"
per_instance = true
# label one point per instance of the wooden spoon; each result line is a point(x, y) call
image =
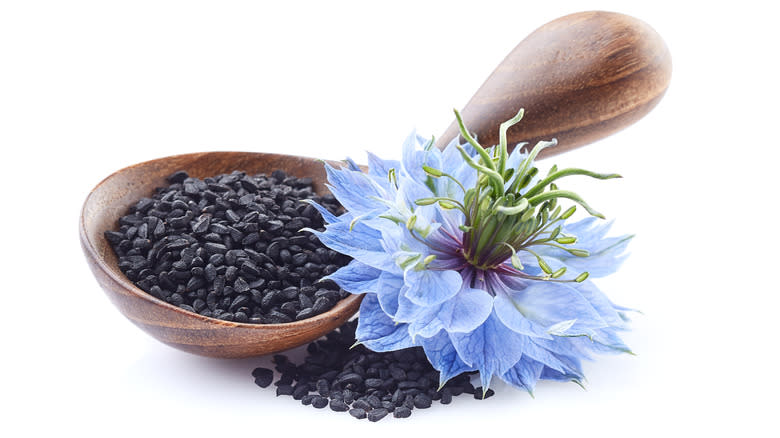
point(580, 78)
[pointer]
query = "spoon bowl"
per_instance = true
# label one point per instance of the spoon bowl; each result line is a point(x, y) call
point(176, 327)
point(580, 78)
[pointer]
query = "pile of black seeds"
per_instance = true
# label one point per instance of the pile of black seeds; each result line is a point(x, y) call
point(230, 247)
point(362, 382)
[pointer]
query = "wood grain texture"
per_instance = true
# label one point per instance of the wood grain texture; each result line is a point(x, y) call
point(580, 78)
point(174, 326)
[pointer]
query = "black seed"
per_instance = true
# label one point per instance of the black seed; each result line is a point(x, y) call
point(376, 414)
point(178, 177)
point(323, 388)
point(338, 405)
point(402, 412)
point(353, 378)
point(358, 413)
point(263, 377)
point(284, 390)
point(373, 383)
point(446, 396)
point(478, 393)
point(321, 304)
point(422, 401)
point(240, 285)
point(362, 404)
point(215, 248)
point(299, 391)
point(319, 402)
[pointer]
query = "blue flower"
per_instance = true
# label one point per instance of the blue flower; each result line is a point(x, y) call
point(465, 252)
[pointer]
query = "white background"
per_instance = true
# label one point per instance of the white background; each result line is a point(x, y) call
point(87, 88)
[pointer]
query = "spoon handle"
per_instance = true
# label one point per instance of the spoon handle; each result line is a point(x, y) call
point(580, 78)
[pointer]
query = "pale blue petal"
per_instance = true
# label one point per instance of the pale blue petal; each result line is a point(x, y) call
point(442, 355)
point(549, 304)
point(599, 302)
point(605, 259)
point(388, 288)
point(380, 168)
point(606, 254)
point(551, 359)
point(426, 324)
point(356, 278)
point(524, 374)
point(467, 310)
point(490, 348)
point(352, 165)
point(511, 317)
point(407, 311)
point(355, 190)
point(377, 331)
point(603, 341)
point(361, 243)
point(414, 157)
point(428, 287)
point(551, 374)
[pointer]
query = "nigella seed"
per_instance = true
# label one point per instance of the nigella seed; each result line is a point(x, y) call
point(338, 405)
point(358, 413)
point(178, 177)
point(299, 391)
point(446, 396)
point(321, 304)
point(376, 414)
point(319, 402)
point(402, 412)
point(284, 390)
point(422, 401)
point(373, 383)
point(478, 393)
point(263, 377)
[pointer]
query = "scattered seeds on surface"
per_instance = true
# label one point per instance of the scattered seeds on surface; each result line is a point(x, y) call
point(364, 383)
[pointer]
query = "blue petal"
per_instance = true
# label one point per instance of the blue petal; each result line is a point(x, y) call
point(551, 359)
point(442, 355)
point(407, 311)
point(551, 374)
point(355, 190)
point(426, 324)
point(549, 304)
point(388, 288)
point(603, 341)
point(360, 242)
point(524, 374)
point(490, 348)
point(414, 157)
point(606, 254)
point(511, 317)
point(600, 303)
point(377, 331)
point(379, 167)
point(465, 311)
point(352, 165)
point(428, 287)
point(356, 277)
